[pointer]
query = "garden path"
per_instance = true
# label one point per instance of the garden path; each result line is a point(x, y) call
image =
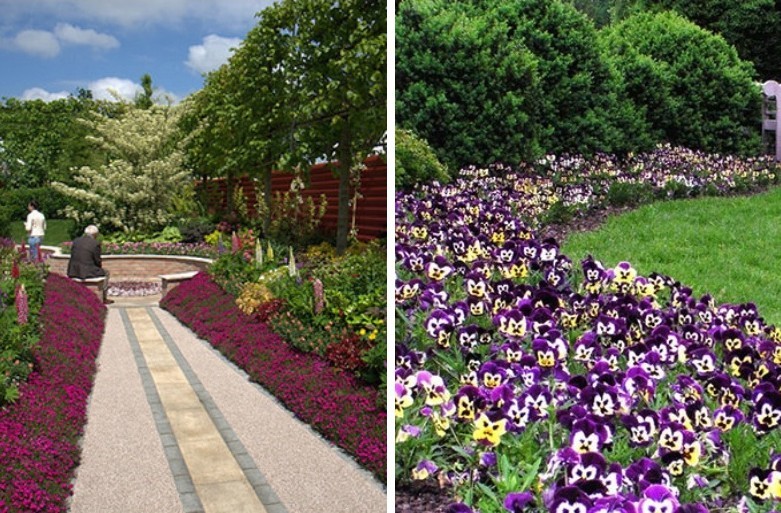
point(174, 427)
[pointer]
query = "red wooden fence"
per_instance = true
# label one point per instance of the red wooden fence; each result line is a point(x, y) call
point(370, 209)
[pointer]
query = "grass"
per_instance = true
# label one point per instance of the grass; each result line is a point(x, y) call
point(57, 232)
point(727, 247)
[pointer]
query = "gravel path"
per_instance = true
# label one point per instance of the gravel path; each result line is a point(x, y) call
point(124, 466)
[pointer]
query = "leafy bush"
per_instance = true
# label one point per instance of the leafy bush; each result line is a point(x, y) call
point(508, 80)
point(50, 201)
point(195, 230)
point(689, 84)
point(416, 161)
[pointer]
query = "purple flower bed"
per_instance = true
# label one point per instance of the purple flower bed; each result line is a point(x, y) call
point(201, 249)
point(528, 382)
point(39, 433)
point(335, 404)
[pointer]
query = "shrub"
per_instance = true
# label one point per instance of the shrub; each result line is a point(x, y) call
point(508, 80)
point(416, 161)
point(688, 83)
point(195, 230)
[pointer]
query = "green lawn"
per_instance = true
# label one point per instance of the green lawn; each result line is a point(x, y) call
point(728, 247)
point(57, 231)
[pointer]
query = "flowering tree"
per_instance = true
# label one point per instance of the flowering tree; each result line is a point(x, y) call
point(143, 172)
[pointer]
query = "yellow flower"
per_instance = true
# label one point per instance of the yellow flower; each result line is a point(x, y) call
point(486, 429)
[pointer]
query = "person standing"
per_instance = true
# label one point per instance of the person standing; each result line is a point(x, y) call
point(36, 227)
point(85, 261)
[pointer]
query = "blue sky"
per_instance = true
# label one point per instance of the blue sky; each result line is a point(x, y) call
point(50, 48)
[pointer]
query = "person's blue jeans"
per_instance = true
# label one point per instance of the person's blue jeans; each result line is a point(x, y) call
point(35, 248)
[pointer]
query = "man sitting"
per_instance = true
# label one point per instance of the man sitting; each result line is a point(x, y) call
point(85, 261)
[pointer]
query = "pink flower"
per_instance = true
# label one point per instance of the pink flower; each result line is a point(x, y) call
point(22, 308)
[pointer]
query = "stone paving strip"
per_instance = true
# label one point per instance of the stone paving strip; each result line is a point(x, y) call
point(174, 427)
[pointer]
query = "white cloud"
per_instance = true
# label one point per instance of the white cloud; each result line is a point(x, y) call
point(37, 42)
point(104, 88)
point(48, 44)
point(70, 34)
point(36, 93)
point(213, 53)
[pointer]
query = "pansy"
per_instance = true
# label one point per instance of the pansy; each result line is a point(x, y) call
point(492, 374)
point(434, 295)
point(403, 399)
point(468, 401)
point(476, 285)
point(641, 433)
point(424, 470)
point(439, 269)
point(406, 432)
point(517, 414)
point(726, 417)
point(517, 502)
point(489, 428)
point(433, 386)
point(407, 290)
point(764, 484)
point(468, 337)
point(657, 499)
point(587, 436)
point(477, 307)
point(511, 323)
point(590, 466)
point(537, 398)
point(767, 411)
point(570, 499)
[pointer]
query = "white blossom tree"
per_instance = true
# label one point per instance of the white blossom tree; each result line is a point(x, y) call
point(133, 190)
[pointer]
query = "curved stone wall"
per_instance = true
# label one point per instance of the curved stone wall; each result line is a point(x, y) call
point(132, 267)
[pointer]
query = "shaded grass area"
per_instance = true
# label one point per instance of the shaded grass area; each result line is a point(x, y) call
point(57, 231)
point(727, 247)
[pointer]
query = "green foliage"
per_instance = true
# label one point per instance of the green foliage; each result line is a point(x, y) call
point(751, 26)
point(306, 337)
point(623, 194)
point(195, 230)
point(231, 271)
point(416, 162)
point(508, 80)
point(40, 141)
point(57, 231)
point(687, 83)
point(134, 190)
point(50, 201)
point(17, 340)
point(294, 220)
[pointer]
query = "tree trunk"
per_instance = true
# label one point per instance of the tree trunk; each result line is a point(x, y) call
point(268, 196)
point(345, 162)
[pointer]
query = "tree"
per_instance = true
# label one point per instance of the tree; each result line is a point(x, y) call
point(144, 99)
point(42, 141)
point(133, 190)
point(332, 87)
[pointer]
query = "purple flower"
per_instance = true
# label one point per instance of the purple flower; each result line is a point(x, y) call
point(517, 502)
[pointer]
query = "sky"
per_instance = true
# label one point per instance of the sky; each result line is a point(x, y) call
point(51, 48)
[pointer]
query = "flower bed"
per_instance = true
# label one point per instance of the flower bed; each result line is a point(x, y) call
point(525, 382)
point(134, 288)
point(39, 433)
point(201, 250)
point(333, 403)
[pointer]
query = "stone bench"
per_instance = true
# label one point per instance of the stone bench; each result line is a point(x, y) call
point(98, 284)
point(171, 281)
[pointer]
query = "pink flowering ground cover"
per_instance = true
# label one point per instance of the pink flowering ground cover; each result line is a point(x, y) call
point(334, 403)
point(39, 433)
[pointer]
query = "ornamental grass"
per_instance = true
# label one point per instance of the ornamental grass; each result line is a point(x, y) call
point(40, 432)
point(333, 403)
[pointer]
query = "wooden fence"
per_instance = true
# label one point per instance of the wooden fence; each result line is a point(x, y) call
point(370, 209)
